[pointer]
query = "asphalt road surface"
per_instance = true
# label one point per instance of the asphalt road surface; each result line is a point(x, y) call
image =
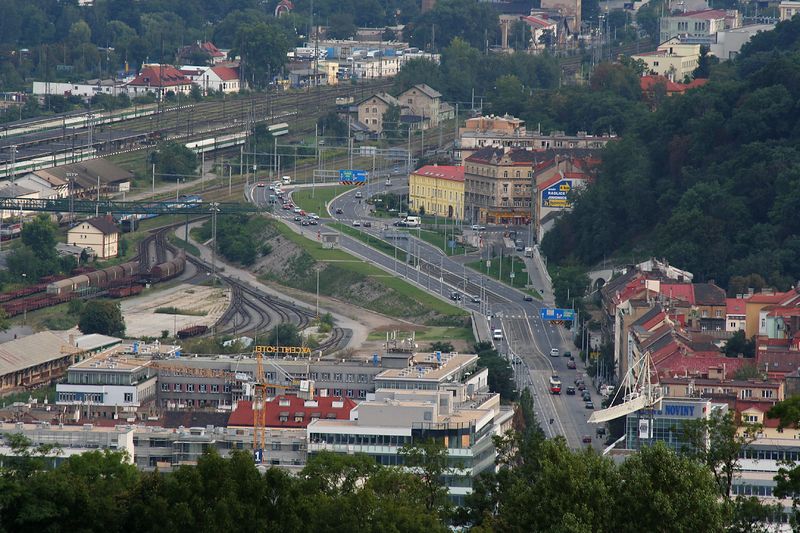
point(527, 339)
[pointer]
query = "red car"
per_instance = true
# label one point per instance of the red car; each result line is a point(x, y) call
point(571, 365)
point(302, 213)
point(287, 206)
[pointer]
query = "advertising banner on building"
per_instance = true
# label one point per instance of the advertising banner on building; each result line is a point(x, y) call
point(555, 196)
point(644, 429)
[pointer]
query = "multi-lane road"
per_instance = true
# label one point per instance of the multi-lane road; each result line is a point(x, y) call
point(527, 339)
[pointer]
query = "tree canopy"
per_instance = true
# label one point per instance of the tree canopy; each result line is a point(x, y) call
point(102, 316)
point(710, 180)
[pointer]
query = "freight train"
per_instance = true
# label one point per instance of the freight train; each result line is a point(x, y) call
point(116, 276)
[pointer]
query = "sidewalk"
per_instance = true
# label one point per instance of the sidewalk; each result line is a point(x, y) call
point(360, 331)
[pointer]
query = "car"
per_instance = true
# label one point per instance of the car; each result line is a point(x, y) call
point(589, 405)
point(478, 227)
point(578, 380)
point(497, 335)
point(581, 386)
point(520, 248)
point(286, 206)
point(554, 352)
point(359, 195)
point(571, 390)
point(291, 205)
point(601, 432)
point(297, 210)
point(303, 213)
point(298, 218)
point(568, 354)
point(260, 184)
point(586, 395)
point(388, 182)
point(304, 222)
point(586, 439)
point(475, 299)
point(338, 210)
point(571, 364)
point(314, 216)
point(313, 221)
point(527, 298)
point(455, 296)
point(356, 223)
point(367, 224)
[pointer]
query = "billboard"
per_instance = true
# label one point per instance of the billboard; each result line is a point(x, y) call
point(352, 177)
point(555, 196)
point(549, 313)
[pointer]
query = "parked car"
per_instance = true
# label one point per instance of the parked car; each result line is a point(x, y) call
point(586, 439)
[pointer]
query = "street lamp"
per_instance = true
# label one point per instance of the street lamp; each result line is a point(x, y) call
point(214, 208)
point(71, 189)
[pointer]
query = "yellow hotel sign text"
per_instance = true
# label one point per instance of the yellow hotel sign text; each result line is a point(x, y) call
point(283, 349)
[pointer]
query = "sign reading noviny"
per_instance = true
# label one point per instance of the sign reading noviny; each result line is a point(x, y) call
point(283, 349)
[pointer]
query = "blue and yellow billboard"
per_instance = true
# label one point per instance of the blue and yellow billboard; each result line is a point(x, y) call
point(555, 196)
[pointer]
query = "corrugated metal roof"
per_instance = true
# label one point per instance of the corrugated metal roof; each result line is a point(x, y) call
point(33, 350)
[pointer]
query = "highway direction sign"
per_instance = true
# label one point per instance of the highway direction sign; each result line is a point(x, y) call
point(549, 313)
point(352, 177)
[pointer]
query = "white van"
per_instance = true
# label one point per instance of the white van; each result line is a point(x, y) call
point(412, 222)
point(497, 335)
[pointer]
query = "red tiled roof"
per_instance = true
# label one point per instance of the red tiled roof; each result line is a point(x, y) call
point(164, 76)
point(706, 14)
point(775, 298)
point(445, 172)
point(680, 291)
point(211, 49)
point(647, 83)
point(225, 73)
point(538, 21)
point(322, 407)
point(735, 306)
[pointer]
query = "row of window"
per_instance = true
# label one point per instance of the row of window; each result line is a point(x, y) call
point(190, 387)
point(481, 170)
point(752, 490)
point(770, 455)
point(338, 376)
point(360, 440)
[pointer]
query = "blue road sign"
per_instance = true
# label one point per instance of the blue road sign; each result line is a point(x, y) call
point(258, 456)
point(549, 313)
point(352, 177)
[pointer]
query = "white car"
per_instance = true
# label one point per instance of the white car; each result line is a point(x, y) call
point(497, 335)
point(554, 352)
point(297, 209)
point(478, 227)
point(356, 223)
point(314, 216)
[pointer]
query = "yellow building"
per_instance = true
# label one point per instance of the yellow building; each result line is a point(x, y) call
point(100, 234)
point(439, 190)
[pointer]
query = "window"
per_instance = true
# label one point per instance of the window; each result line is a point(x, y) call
point(350, 393)
point(203, 388)
point(215, 388)
point(337, 392)
point(165, 387)
point(718, 313)
point(326, 376)
point(314, 375)
point(351, 378)
point(362, 378)
point(190, 387)
point(766, 393)
point(747, 393)
point(176, 387)
point(226, 388)
point(337, 376)
point(128, 397)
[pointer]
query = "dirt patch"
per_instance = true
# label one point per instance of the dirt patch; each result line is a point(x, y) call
point(142, 320)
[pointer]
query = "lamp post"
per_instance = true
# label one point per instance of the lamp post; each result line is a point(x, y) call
point(71, 191)
point(214, 208)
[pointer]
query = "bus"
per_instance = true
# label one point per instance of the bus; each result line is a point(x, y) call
point(555, 385)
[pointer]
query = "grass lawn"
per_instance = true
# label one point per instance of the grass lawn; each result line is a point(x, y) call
point(38, 394)
point(346, 261)
point(520, 279)
point(314, 200)
point(369, 240)
point(53, 317)
point(433, 333)
point(441, 241)
point(183, 245)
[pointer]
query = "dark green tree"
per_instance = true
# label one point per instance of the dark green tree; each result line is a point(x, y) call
point(102, 316)
point(738, 345)
point(417, 71)
point(285, 334)
point(429, 460)
point(442, 346)
point(173, 160)
point(263, 50)
point(341, 26)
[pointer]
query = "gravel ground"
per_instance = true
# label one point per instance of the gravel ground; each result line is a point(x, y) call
point(142, 320)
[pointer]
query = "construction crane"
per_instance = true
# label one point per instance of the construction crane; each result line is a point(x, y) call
point(260, 386)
